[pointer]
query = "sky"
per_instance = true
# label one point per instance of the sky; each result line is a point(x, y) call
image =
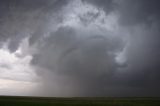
point(80, 48)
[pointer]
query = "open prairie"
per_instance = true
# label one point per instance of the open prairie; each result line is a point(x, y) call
point(78, 101)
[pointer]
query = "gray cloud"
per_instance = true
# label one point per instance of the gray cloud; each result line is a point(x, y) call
point(141, 19)
point(139, 11)
point(26, 18)
point(106, 5)
point(131, 12)
point(77, 62)
point(88, 62)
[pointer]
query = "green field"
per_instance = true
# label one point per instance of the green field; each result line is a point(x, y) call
point(90, 101)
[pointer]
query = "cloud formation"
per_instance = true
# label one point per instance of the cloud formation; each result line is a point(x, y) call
point(87, 47)
point(26, 18)
point(85, 62)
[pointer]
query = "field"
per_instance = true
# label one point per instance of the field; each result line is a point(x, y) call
point(77, 101)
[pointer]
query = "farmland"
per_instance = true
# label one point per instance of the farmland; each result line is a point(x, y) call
point(77, 101)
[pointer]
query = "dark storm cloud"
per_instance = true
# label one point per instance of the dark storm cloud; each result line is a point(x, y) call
point(106, 5)
point(88, 62)
point(89, 17)
point(30, 5)
point(146, 64)
point(21, 18)
point(74, 62)
point(131, 12)
point(139, 11)
point(143, 51)
point(141, 19)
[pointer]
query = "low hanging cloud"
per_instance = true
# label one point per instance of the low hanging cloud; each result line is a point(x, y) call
point(86, 62)
point(87, 47)
point(141, 20)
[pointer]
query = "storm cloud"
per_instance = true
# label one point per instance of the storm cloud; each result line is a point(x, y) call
point(86, 62)
point(87, 47)
point(26, 18)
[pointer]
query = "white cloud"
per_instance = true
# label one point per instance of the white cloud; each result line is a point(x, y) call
point(16, 65)
point(12, 87)
point(87, 17)
point(17, 76)
point(16, 68)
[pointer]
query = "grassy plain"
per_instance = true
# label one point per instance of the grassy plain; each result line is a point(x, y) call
point(78, 101)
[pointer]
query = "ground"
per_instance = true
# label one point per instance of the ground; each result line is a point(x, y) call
point(78, 101)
